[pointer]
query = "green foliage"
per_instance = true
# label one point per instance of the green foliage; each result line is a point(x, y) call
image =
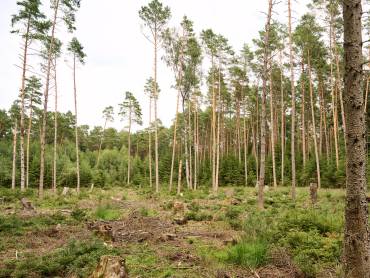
point(198, 216)
point(16, 226)
point(78, 257)
point(107, 212)
point(248, 254)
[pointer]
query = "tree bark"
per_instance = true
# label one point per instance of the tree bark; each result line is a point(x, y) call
point(313, 122)
point(174, 140)
point(282, 146)
point(46, 96)
point(272, 120)
point(76, 125)
point(22, 104)
point(356, 234)
point(155, 111)
point(15, 130)
point(292, 143)
point(261, 182)
point(129, 145)
point(55, 129)
point(303, 113)
point(150, 143)
point(213, 128)
point(28, 142)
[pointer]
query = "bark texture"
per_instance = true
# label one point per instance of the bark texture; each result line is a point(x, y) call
point(356, 237)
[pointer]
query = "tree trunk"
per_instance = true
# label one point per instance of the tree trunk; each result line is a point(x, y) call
point(245, 139)
point(213, 128)
point(76, 125)
point(189, 146)
point(55, 128)
point(272, 119)
point(356, 235)
point(129, 145)
point(292, 143)
point(174, 140)
point(218, 128)
point(261, 182)
point(303, 112)
point(28, 142)
point(46, 96)
point(179, 175)
point(313, 122)
point(15, 130)
point(333, 94)
point(196, 143)
point(150, 143)
point(22, 104)
point(155, 111)
point(282, 120)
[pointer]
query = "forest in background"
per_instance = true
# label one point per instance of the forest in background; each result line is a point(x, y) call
point(286, 114)
point(227, 112)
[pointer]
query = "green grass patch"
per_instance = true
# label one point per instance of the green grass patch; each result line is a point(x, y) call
point(107, 212)
point(77, 257)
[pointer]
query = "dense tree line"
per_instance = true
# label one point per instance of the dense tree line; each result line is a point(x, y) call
point(269, 114)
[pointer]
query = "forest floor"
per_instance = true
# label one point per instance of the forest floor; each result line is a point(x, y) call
point(197, 234)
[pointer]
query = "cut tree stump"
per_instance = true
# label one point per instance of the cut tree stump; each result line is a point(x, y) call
point(27, 205)
point(65, 191)
point(313, 193)
point(110, 267)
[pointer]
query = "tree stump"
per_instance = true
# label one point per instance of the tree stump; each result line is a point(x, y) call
point(27, 205)
point(65, 191)
point(110, 267)
point(313, 193)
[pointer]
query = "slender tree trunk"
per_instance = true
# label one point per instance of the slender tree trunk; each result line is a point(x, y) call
point(356, 234)
point(129, 145)
point(196, 143)
point(55, 128)
point(214, 187)
point(246, 137)
point(155, 111)
point(292, 143)
point(189, 146)
point(313, 122)
point(46, 96)
point(282, 146)
point(272, 128)
point(22, 104)
point(14, 166)
point(339, 87)
point(174, 140)
point(28, 142)
point(367, 88)
point(179, 177)
point(150, 143)
point(218, 128)
point(303, 113)
point(76, 126)
point(261, 183)
point(333, 94)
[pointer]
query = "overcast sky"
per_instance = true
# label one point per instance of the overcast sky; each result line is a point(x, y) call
point(120, 59)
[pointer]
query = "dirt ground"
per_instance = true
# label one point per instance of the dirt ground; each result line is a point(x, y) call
point(157, 238)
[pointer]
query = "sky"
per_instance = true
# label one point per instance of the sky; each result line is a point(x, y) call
point(119, 57)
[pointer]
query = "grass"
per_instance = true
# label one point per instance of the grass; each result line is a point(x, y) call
point(107, 212)
point(310, 236)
